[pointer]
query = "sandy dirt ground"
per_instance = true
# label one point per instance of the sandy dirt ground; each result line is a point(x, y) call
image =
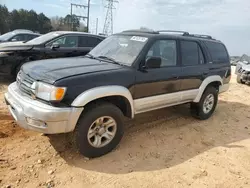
point(164, 148)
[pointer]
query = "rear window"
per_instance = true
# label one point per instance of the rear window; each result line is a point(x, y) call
point(218, 52)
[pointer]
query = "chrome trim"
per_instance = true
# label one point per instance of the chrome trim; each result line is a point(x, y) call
point(58, 120)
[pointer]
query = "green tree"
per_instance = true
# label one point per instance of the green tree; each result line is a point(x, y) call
point(44, 24)
point(4, 19)
point(72, 23)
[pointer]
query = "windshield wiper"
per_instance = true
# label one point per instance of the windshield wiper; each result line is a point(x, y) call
point(90, 56)
point(110, 59)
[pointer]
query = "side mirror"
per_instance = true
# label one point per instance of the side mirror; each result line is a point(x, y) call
point(55, 45)
point(153, 62)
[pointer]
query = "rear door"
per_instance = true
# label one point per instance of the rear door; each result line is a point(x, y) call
point(219, 63)
point(194, 67)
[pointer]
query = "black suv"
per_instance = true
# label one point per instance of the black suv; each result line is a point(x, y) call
point(126, 74)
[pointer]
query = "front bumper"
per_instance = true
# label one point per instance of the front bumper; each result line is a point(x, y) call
point(37, 116)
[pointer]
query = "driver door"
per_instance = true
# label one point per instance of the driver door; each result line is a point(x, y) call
point(159, 87)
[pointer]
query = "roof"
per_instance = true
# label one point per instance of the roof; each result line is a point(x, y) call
point(23, 31)
point(170, 33)
point(77, 32)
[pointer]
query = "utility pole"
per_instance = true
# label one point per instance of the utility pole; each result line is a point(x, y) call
point(96, 26)
point(88, 16)
point(108, 24)
point(83, 17)
point(71, 17)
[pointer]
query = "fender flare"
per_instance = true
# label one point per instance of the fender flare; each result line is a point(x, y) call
point(208, 80)
point(101, 92)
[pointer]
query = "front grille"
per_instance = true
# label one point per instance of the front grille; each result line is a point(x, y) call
point(24, 83)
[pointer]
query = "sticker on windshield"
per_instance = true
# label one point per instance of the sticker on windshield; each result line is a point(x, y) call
point(140, 39)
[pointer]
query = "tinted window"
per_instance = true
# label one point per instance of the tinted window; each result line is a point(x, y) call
point(218, 52)
point(86, 41)
point(66, 41)
point(189, 53)
point(20, 37)
point(29, 37)
point(166, 50)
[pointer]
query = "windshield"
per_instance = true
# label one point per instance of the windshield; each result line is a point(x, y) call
point(43, 38)
point(121, 48)
point(6, 36)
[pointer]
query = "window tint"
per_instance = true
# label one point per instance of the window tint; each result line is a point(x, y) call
point(218, 52)
point(189, 53)
point(166, 50)
point(66, 41)
point(19, 37)
point(29, 37)
point(86, 41)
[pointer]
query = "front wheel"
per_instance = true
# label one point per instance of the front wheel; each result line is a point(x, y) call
point(99, 130)
point(208, 102)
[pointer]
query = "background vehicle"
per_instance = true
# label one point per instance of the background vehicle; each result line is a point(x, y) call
point(128, 73)
point(243, 72)
point(51, 45)
point(18, 35)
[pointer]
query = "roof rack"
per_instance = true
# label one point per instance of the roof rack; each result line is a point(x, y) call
point(141, 31)
point(199, 36)
point(185, 33)
point(173, 31)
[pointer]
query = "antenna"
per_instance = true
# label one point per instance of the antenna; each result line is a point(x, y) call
point(108, 24)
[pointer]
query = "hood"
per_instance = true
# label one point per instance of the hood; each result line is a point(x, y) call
point(14, 46)
point(51, 70)
point(246, 68)
point(10, 43)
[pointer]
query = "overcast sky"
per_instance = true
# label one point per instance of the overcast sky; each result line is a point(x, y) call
point(226, 20)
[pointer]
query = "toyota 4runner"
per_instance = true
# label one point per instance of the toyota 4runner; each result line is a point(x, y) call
point(128, 73)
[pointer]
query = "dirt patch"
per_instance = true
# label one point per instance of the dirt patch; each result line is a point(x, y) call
point(164, 148)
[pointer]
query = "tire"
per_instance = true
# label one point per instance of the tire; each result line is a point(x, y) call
point(18, 69)
point(239, 80)
point(197, 109)
point(85, 122)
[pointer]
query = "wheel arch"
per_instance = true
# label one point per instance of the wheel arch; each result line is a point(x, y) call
point(215, 81)
point(117, 95)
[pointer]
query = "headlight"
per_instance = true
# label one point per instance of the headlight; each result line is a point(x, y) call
point(48, 92)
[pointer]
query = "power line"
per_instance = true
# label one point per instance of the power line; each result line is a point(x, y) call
point(108, 24)
point(78, 16)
